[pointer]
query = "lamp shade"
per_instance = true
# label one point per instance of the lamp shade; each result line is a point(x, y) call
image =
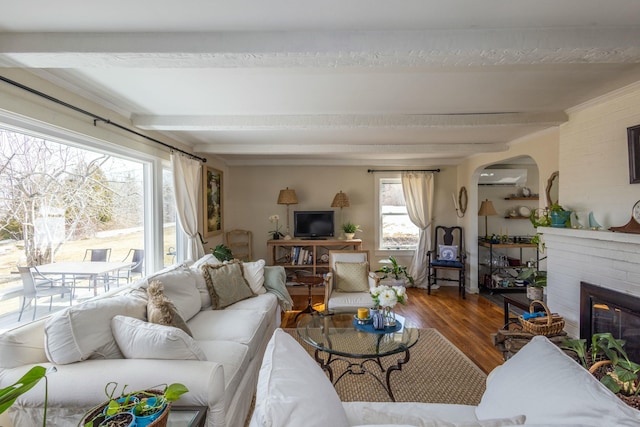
point(340, 200)
point(487, 209)
point(287, 197)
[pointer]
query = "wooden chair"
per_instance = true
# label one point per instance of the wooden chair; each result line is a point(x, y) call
point(447, 255)
point(335, 299)
point(239, 241)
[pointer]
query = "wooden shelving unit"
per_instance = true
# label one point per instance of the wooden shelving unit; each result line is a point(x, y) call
point(280, 251)
point(523, 198)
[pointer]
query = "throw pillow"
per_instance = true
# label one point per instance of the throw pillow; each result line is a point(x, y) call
point(293, 389)
point(253, 273)
point(138, 339)
point(226, 284)
point(351, 276)
point(448, 253)
point(180, 287)
point(161, 310)
point(83, 331)
point(562, 389)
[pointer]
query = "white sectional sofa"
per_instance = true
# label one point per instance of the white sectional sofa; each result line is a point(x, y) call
point(539, 386)
point(108, 340)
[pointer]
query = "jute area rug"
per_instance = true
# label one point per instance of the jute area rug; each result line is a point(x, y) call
point(437, 372)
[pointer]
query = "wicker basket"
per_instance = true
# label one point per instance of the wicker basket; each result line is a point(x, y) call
point(161, 421)
point(551, 324)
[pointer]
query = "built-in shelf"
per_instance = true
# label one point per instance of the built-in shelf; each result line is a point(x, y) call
point(522, 198)
point(516, 217)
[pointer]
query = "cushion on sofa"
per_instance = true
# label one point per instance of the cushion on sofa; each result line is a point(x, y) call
point(293, 389)
point(138, 339)
point(205, 259)
point(253, 273)
point(161, 310)
point(226, 284)
point(560, 391)
point(179, 283)
point(23, 345)
point(84, 332)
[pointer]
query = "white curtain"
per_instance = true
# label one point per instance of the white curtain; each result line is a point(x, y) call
point(417, 188)
point(187, 185)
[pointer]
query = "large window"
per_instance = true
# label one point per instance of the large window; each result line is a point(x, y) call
point(396, 231)
point(60, 197)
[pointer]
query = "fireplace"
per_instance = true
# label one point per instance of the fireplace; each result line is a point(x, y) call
point(606, 310)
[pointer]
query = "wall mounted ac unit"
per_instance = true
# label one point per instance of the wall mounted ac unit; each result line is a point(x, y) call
point(513, 177)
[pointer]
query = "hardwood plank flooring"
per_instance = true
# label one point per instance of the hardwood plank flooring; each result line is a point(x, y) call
point(467, 323)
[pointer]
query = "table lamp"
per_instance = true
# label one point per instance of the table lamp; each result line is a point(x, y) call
point(486, 209)
point(340, 201)
point(287, 197)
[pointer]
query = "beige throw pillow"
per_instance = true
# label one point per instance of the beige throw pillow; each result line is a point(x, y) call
point(161, 310)
point(351, 276)
point(226, 284)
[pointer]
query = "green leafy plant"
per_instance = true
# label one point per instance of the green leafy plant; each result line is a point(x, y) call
point(395, 270)
point(8, 395)
point(607, 350)
point(349, 227)
point(139, 402)
point(222, 253)
point(535, 277)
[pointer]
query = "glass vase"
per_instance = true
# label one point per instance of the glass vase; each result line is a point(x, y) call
point(389, 316)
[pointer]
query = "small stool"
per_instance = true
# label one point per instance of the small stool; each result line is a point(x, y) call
point(309, 281)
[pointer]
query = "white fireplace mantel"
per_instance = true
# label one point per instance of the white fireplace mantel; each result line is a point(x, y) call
point(602, 258)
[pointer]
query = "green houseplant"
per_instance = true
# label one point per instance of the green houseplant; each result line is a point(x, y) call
point(8, 395)
point(606, 351)
point(536, 281)
point(222, 253)
point(350, 229)
point(396, 271)
point(140, 403)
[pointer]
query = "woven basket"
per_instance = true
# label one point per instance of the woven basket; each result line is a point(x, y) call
point(161, 421)
point(551, 324)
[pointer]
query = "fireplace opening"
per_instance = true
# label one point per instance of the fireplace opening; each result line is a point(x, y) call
point(606, 310)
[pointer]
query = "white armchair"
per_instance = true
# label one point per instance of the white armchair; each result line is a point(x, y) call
point(349, 279)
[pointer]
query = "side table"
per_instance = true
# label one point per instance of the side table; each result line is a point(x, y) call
point(517, 300)
point(187, 416)
point(309, 281)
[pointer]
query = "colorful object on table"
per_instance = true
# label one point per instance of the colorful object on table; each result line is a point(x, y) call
point(532, 315)
point(363, 313)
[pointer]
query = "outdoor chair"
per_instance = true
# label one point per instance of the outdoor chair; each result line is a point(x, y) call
point(36, 286)
point(97, 255)
point(348, 283)
point(447, 256)
point(136, 258)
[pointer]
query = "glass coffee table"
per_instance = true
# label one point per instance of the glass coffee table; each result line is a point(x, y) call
point(339, 337)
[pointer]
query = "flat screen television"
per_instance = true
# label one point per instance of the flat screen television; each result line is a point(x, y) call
point(313, 224)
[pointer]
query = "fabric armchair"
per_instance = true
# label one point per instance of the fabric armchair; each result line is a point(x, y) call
point(349, 280)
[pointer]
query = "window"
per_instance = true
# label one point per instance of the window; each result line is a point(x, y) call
point(396, 231)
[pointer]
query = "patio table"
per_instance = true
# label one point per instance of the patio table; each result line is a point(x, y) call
point(81, 268)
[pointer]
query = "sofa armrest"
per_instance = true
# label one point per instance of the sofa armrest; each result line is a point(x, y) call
point(204, 379)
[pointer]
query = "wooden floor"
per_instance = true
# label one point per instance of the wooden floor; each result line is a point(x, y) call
point(467, 323)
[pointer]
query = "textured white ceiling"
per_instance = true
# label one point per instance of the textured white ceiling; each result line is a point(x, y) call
point(334, 82)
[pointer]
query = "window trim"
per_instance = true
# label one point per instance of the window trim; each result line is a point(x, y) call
point(379, 251)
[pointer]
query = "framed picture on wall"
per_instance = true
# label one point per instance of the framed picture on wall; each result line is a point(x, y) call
point(633, 135)
point(212, 193)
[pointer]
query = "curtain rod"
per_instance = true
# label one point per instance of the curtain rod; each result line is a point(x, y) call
point(402, 170)
point(97, 118)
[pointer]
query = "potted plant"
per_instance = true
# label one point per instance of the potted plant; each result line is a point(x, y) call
point(275, 233)
point(396, 271)
point(8, 395)
point(607, 360)
point(350, 229)
point(222, 253)
point(145, 406)
point(558, 216)
point(536, 281)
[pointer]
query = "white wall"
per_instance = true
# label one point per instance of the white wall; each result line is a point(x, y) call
point(594, 165)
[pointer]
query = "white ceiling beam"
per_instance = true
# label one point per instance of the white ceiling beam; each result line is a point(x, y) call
point(346, 121)
point(427, 48)
point(292, 149)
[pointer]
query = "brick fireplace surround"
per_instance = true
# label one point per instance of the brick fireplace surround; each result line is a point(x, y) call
point(603, 258)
